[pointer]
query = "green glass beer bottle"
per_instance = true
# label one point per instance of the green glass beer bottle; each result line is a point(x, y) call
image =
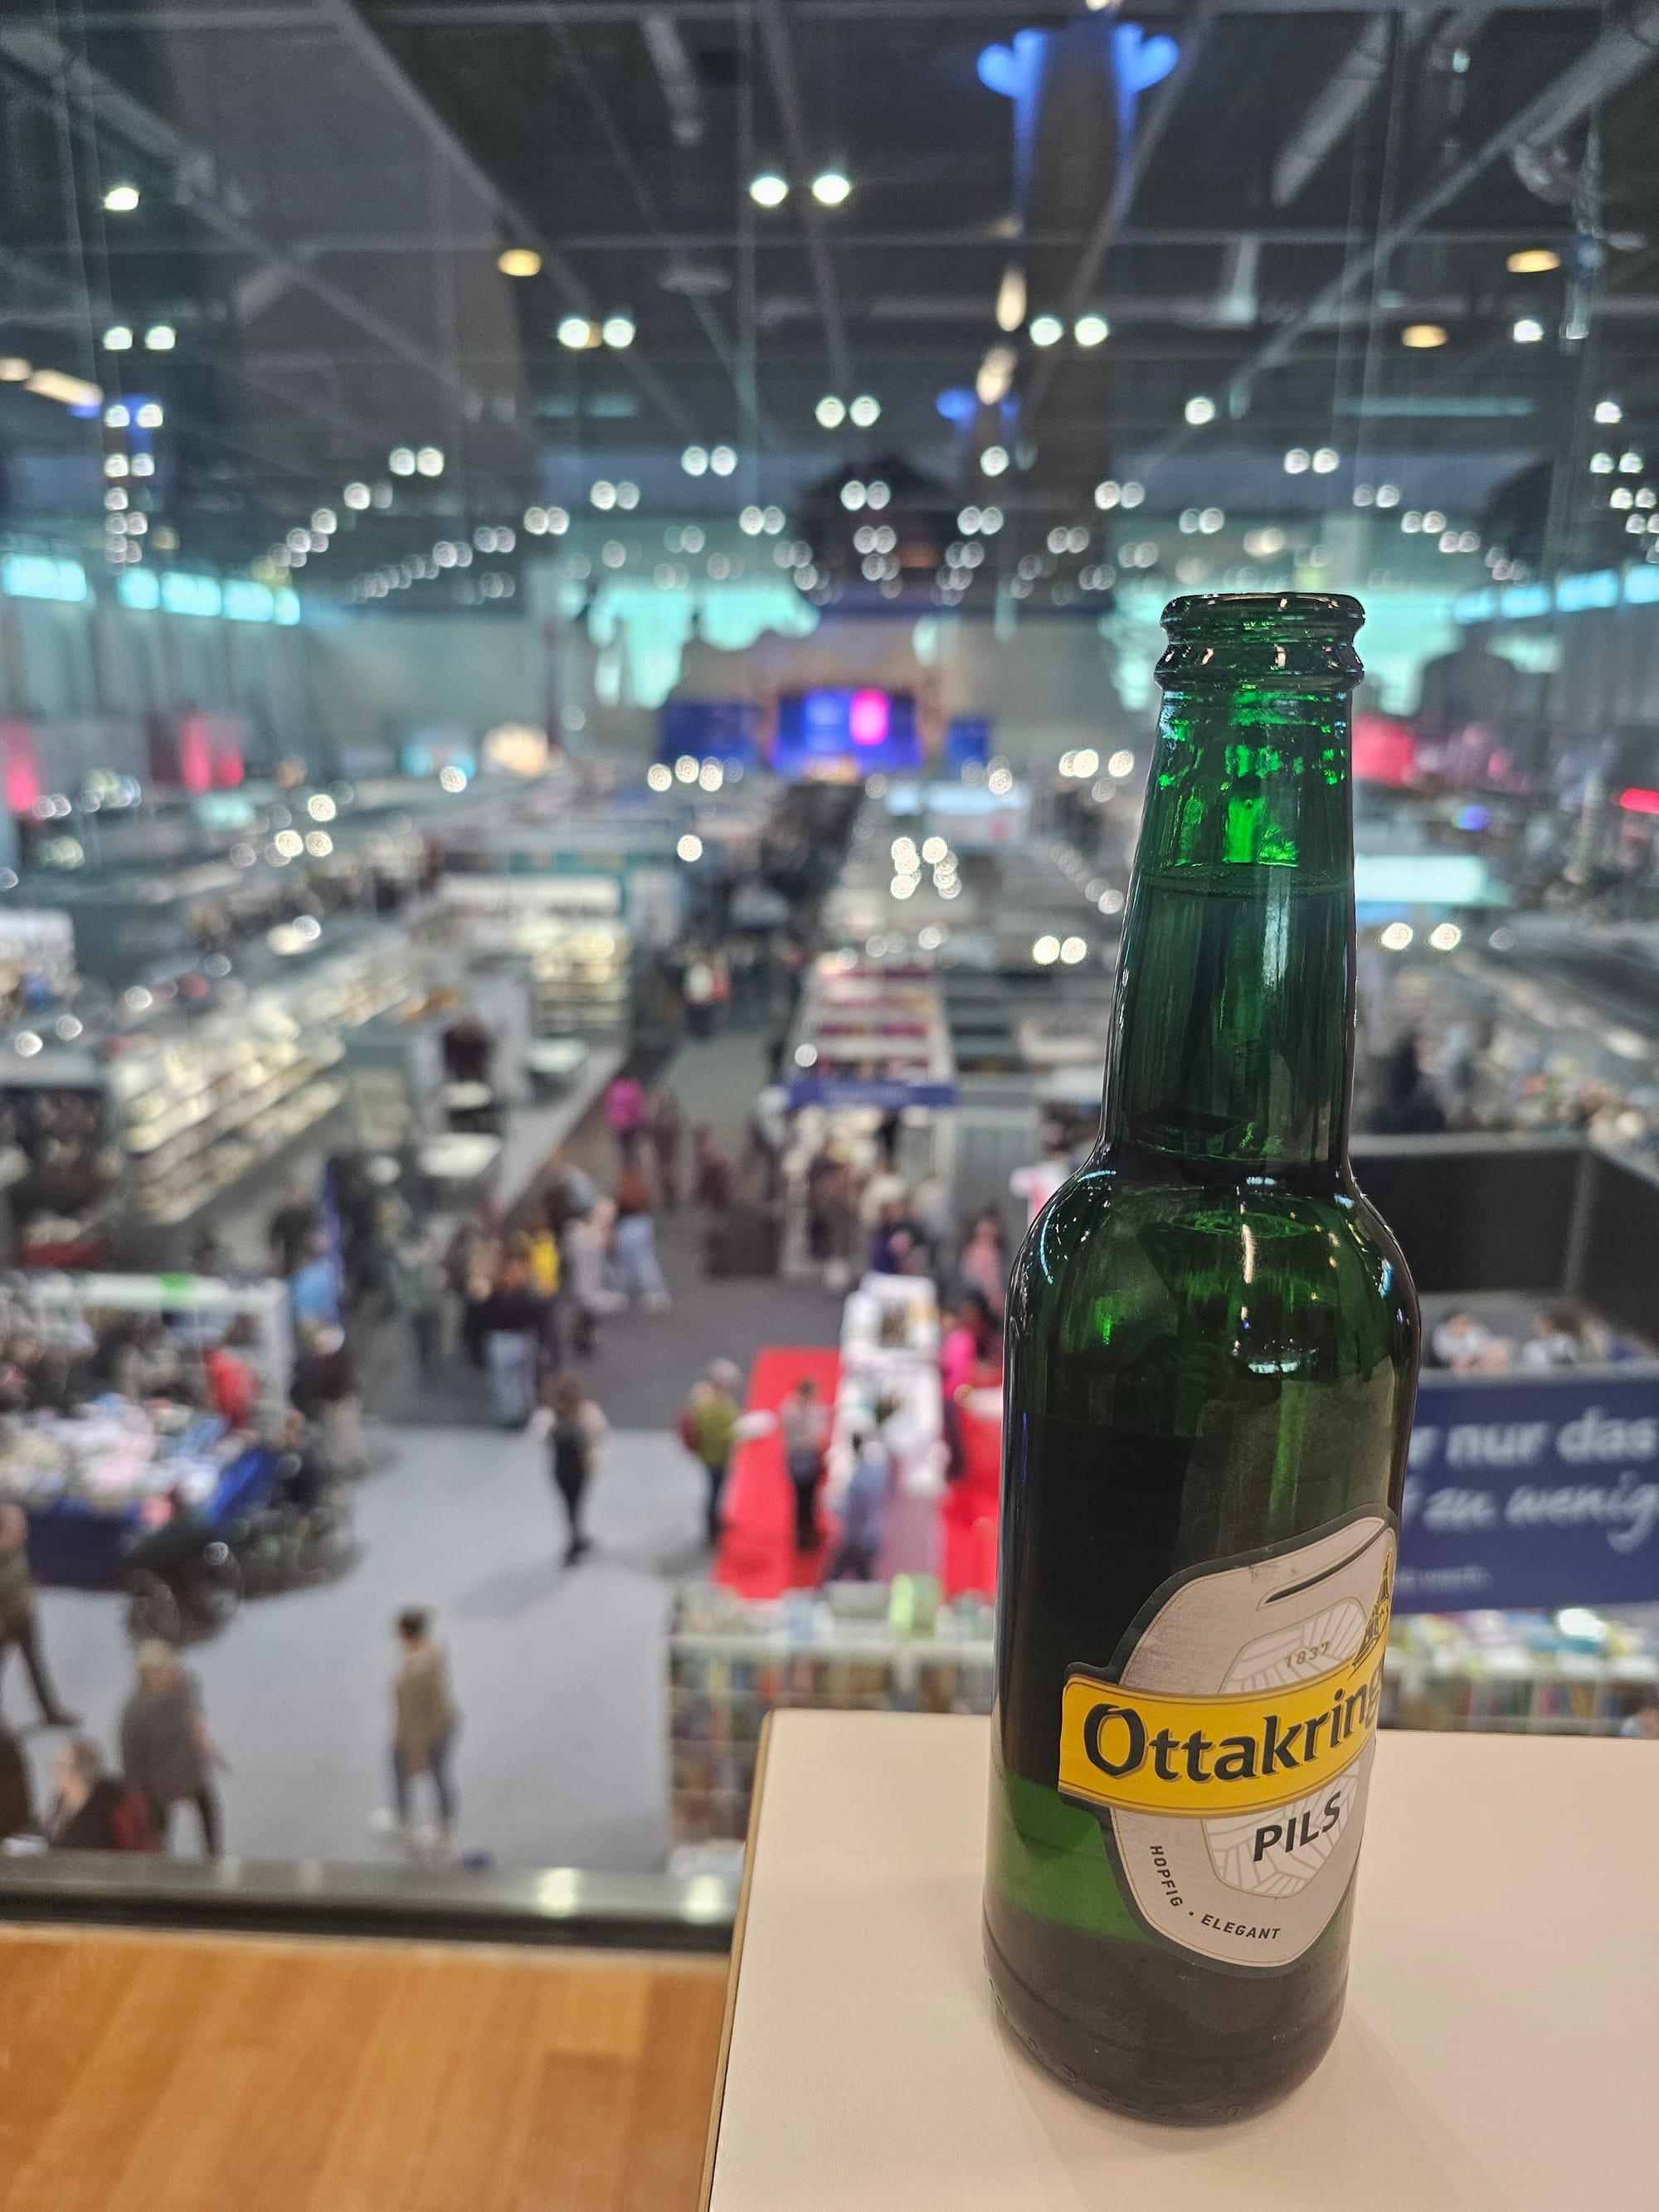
point(1213, 1345)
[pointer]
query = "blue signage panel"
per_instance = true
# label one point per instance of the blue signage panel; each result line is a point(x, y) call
point(1523, 1495)
point(888, 1092)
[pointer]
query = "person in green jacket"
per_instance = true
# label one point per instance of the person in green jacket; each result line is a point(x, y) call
point(708, 1430)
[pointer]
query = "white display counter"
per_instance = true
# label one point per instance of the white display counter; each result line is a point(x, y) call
point(1497, 2054)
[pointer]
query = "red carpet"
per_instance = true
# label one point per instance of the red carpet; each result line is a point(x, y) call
point(968, 1513)
point(757, 1555)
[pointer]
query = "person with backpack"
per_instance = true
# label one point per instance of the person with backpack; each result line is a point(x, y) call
point(573, 1429)
point(92, 1810)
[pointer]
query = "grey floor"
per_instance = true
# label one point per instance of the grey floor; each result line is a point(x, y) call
point(559, 1674)
point(645, 1364)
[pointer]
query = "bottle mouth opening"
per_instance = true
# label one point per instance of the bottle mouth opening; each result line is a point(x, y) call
point(1248, 614)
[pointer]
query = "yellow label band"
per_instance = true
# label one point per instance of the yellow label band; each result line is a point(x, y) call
point(1148, 1752)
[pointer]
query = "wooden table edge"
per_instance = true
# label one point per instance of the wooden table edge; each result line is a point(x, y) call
point(717, 2104)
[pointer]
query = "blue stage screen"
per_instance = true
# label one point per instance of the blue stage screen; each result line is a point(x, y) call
point(846, 733)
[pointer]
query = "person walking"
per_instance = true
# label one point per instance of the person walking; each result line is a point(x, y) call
point(424, 1723)
point(167, 1754)
point(573, 1429)
point(803, 1423)
point(19, 1620)
point(633, 1241)
point(291, 1229)
point(708, 1430)
point(587, 1242)
point(863, 1510)
point(667, 1124)
point(983, 1264)
point(17, 1798)
point(418, 1284)
point(324, 1389)
point(513, 1317)
point(624, 1114)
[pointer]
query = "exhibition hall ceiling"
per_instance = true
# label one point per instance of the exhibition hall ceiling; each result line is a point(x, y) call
point(473, 258)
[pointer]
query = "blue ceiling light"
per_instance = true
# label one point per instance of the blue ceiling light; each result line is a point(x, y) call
point(1009, 70)
point(958, 405)
point(1142, 62)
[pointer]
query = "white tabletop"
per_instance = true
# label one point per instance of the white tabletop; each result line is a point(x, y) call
point(554, 1055)
point(458, 1156)
point(1497, 2054)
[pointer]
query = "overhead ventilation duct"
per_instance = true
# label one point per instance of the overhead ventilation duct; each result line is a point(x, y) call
point(1333, 111)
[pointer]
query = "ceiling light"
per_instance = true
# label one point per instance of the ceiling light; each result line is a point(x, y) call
point(1396, 937)
point(326, 520)
point(1325, 460)
point(1422, 338)
point(118, 338)
point(519, 261)
point(1526, 330)
point(689, 848)
point(994, 460)
point(864, 410)
point(121, 199)
point(996, 375)
point(877, 494)
point(1296, 461)
point(430, 460)
point(1046, 330)
point(768, 189)
point(831, 412)
point(1107, 495)
point(1364, 495)
point(1011, 298)
point(695, 460)
point(14, 369)
point(618, 331)
point(1092, 330)
point(851, 495)
point(1199, 410)
point(1601, 464)
point(149, 415)
point(1533, 261)
point(1387, 494)
point(749, 522)
point(161, 338)
point(1630, 462)
point(117, 415)
point(1622, 496)
point(1608, 410)
point(722, 461)
point(578, 332)
point(1046, 952)
point(356, 496)
point(401, 461)
point(830, 188)
point(603, 495)
point(990, 521)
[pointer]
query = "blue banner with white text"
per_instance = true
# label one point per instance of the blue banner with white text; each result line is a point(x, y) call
point(1525, 1495)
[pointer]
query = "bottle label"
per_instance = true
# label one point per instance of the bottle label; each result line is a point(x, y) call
point(1228, 1747)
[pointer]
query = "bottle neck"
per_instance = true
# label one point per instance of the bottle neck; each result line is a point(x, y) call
point(1232, 1037)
